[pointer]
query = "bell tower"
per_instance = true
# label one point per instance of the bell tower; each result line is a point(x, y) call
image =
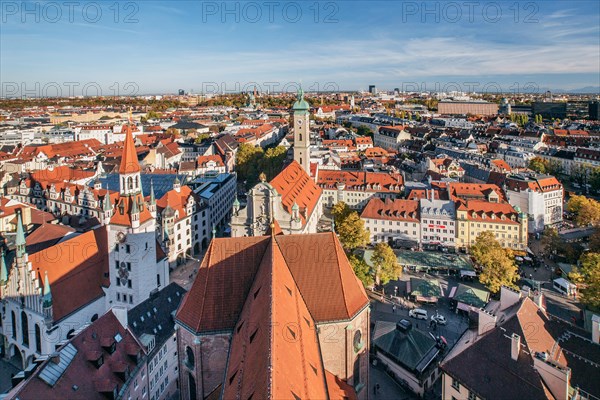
point(302, 132)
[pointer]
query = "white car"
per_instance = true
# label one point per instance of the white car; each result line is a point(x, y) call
point(439, 319)
point(418, 313)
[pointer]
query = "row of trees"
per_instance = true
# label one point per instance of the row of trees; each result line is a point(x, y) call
point(353, 235)
point(251, 161)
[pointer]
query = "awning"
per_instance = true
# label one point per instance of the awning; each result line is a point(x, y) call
point(529, 251)
point(464, 272)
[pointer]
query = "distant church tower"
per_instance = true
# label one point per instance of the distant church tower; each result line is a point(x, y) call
point(301, 132)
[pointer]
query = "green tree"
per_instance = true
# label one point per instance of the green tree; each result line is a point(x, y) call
point(247, 163)
point(361, 269)
point(586, 210)
point(340, 211)
point(550, 240)
point(351, 232)
point(497, 264)
point(385, 263)
point(538, 164)
point(594, 180)
point(272, 161)
point(590, 271)
point(202, 137)
point(364, 131)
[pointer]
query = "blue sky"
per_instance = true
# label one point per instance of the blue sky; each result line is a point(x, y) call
point(158, 47)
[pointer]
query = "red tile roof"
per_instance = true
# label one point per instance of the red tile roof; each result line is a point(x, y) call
point(129, 160)
point(392, 210)
point(81, 378)
point(274, 351)
point(76, 270)
point(295, 186)
point(316, 261)
point(361, 180)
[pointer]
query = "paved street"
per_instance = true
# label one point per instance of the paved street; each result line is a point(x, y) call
point(185, 274)
point(388, 388)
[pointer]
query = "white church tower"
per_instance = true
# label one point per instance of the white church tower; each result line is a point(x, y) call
point(302, 132)
point(134, 269)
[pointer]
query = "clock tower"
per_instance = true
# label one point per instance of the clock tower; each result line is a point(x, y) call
point(301, 132)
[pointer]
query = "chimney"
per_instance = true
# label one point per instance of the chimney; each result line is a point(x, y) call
point(596, 328)
point(515, 346)
point(508, 297)
point(486, 322)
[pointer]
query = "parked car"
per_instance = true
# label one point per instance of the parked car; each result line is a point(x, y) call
point(418, 313)
point(439, 319)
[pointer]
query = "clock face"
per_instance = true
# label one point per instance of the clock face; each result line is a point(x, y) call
point(299, 122)
point(121, 237)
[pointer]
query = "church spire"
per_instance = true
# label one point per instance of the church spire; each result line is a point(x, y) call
point(152, 198)
point(3, 269)
point(20, 240)
point(129, 160)
point(47, 294)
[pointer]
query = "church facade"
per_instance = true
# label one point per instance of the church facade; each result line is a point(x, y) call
point(292, 200)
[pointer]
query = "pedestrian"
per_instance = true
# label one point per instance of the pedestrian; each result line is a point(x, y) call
point(394, 309)
point(377, 387)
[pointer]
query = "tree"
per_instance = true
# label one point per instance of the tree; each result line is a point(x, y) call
point(497, 264)
point(538, 164)
point(361, 269)
point(385, 263)
point(587, 211)
point(340, 211)
point(595, 179)
point(590, 271)
point(351, 232)
point(551, 242)
point(364, 131)
point(247, 163)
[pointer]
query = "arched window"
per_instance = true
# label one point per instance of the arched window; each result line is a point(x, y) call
point(38, 339)
point(25, 328)
point(130, 183)
point(14, 324)
point(94, 317)
point(192, 386)
point(190, 360)
point(137, 182)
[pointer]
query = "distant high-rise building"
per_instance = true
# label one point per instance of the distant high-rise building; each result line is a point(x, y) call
point(594, 110)
point(181, 92)
point(550, 109)
point(372, 89)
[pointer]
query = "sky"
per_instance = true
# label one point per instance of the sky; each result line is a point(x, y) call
point(50, 48)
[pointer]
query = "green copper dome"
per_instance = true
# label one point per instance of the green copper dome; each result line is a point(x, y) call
point(301, 104)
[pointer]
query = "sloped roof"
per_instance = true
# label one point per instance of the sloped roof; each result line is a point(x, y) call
point(129, 160)
point(295, 186)
point(498, 376)
point(393, 210)
point(80, 378)
point(317, 263)
point(274, 350)
point(76, 269)
point(472, 296)
point(408, 349)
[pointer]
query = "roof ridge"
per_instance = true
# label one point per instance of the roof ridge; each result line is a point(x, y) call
point(339, 271)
